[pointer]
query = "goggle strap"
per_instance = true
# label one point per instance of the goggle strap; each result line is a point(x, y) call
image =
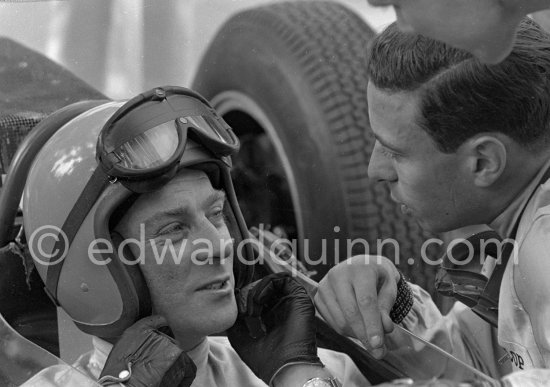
point(87, 199)
point(156, 94)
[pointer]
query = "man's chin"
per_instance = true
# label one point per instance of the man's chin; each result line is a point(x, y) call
point(436, 228)
point(401, 22)
point(493, 51)
point(430, 227)
point(226, 319)
point(490, 39)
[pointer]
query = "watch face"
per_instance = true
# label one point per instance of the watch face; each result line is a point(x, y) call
point(321, 382)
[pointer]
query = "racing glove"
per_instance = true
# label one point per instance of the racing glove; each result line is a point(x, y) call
point(144, 356)
point(275, 326)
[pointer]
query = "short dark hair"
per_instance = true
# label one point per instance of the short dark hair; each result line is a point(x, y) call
point(461, 96)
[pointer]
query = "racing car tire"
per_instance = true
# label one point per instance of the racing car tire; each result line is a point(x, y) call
point(298, 71)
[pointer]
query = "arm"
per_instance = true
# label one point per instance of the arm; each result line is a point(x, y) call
point(356, 297)
point(460, 332)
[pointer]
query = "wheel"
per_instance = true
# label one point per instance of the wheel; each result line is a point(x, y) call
point(290, 78)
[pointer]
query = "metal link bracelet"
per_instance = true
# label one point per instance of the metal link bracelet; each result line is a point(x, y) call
point(403, 302)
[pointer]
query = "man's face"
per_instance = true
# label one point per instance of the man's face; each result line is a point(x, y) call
point(192, 287)
point(425, 181)
point(486, 28)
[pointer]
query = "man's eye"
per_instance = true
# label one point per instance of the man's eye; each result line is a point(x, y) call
point(218, 216)
point(172, 228)
point(389, 154)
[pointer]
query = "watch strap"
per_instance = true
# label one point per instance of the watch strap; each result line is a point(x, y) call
point(322, 382)
point(403, 302)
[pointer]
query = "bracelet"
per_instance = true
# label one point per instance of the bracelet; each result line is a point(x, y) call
point(403, 302)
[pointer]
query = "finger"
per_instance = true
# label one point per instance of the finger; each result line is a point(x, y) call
point(287, 298)
point(367, 300)
point(370, 316)
point(342, 280)
point(326, 303)
point(387, 322)
point(243, 296)
point(287, 285)
point(257, 293)
point(278, 286)
point(386, 299)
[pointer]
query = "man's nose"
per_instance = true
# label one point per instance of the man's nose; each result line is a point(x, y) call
point(380, 166)
point(214, 242)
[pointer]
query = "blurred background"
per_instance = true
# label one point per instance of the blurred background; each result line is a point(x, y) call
point(122, 47)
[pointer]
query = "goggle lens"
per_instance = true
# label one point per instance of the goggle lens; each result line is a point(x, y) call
point(209, 127)
point(151, 149)
point(160, 145)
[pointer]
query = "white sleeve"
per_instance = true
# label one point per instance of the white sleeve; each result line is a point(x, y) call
point(535, 377)
point(460, 332)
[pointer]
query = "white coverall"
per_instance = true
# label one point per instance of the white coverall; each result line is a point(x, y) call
point(519, 352)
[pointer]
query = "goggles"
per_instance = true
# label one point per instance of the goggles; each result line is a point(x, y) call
point(143, 142)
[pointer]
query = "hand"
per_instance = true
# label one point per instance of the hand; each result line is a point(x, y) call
point(275, 326)
point(355, 298)
point(152, 357)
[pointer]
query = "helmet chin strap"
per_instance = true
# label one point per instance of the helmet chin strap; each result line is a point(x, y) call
point(87, 199)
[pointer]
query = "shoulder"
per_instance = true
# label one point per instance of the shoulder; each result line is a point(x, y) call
point(534, 246)
point(531, 264)
point(58, 376)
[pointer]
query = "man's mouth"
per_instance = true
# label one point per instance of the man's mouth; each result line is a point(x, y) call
point(215, 285)
point(394, 199)
point(404, 208)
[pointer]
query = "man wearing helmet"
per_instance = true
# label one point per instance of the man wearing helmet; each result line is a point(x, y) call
point(141, 219)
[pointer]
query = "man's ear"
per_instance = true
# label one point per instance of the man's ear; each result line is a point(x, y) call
point(487, 159)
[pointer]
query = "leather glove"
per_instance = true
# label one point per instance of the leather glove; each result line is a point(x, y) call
point(146, 357)
point(275, 326)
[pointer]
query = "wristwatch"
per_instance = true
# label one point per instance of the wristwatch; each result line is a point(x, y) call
point(322, 382)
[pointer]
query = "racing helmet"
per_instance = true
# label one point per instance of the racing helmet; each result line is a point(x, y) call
point(93, 166)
